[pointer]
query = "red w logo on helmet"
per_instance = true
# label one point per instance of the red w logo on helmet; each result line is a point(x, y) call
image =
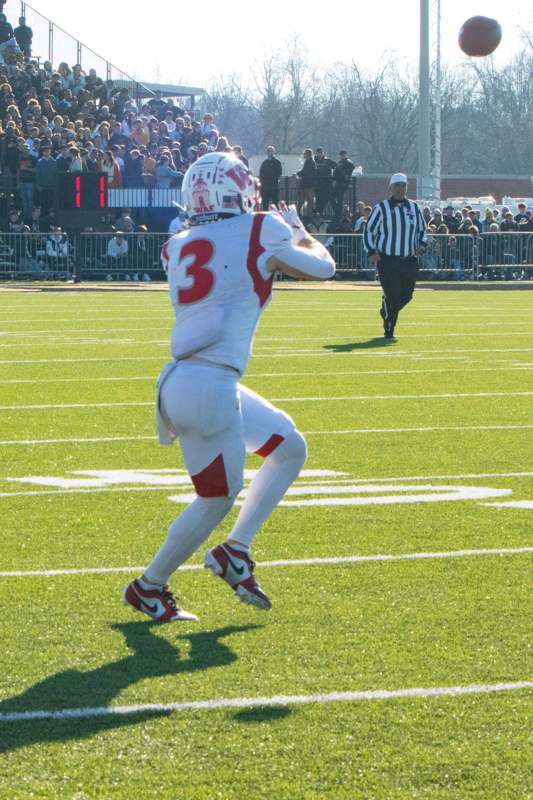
point(240, 176)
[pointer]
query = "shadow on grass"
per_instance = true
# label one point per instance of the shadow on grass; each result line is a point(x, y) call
point(377, 341)
point(152, 657)
point(262, 714)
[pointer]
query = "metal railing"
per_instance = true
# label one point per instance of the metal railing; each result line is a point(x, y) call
point(82, 256)
point(504, 256)
point(142, 260)
point(290, 193)
point(88, 256)
point(52, 43)
point(143, 198)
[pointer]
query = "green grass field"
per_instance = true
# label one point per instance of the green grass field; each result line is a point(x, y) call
point(419, 447)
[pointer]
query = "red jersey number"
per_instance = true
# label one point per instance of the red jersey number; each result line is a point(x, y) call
point(203, 279)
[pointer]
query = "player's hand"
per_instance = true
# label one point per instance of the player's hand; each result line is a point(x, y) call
point(290, 215)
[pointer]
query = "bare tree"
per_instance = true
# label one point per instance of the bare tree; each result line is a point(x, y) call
point(486, 112)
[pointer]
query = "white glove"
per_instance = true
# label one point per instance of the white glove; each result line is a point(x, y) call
point(289, 215)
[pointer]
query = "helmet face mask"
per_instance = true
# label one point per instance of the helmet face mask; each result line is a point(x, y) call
point(218, 186)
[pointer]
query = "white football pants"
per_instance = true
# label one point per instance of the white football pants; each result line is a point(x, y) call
point(217, 420)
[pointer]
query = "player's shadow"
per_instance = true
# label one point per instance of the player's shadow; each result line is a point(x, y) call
point(152, 657)
point(377, 341)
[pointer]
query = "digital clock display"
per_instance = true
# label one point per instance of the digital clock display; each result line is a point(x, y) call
point(82, 191)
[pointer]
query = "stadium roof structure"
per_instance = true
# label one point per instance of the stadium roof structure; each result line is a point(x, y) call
point(172, 90)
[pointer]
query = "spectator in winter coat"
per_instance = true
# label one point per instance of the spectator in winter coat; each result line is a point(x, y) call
point(64, 159)
point(237, 149)
point(133, 170)
point(117, 251)
point(112, 170)
point(6, 31)
point(269, 175)
point(508, 223)
point(323, 179)
point(306, 191)
point(125, 221)
point(164, 173)
point(24, 35)
point(521, 216)
point(26, 180)
point(57, 251)
point(76, 164)
point(342, 175)
point(46, 176)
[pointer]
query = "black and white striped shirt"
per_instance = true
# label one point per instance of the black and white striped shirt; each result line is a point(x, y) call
point(395, 228)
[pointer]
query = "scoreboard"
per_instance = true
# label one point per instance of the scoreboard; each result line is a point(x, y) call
point(81, 199)
point(82, 191)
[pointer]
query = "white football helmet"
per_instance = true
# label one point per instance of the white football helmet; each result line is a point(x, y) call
point(216, 186)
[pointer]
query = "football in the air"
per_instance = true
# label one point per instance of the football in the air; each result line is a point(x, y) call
point(480, 36)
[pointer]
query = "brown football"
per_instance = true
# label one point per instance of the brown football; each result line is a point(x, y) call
point(480, 36)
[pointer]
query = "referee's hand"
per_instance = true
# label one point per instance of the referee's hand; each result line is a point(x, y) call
point(375, 258)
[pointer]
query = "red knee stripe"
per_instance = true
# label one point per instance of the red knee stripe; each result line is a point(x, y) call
point(270, 445)
point(212, 481)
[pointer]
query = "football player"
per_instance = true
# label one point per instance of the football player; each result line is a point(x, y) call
point(220, 274)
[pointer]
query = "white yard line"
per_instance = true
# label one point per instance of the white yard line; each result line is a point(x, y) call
point(388, 353)
point(525, 504)
point(418, 430)
point(492, 318)
point(92, 342)
point(93, 489)
point(141, 403)
point(306, 484)
point(517, 367)
point(261, 702)
point(84, 360)
point(448, 396)
point(403, 478)
point(61, 406)
point(114, 342)
point(74, 318)
point(303, 562)
point(79, 441)
point(30, 442)
point(428, 355)
point(80, 379)
point(58, 332)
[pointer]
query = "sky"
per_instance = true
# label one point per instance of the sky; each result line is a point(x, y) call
point(196, 44)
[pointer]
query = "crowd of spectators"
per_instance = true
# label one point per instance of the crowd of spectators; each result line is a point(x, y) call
point(66, 120)
point(462, 242)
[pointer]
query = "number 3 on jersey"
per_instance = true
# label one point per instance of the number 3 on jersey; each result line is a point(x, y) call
point(198, 270)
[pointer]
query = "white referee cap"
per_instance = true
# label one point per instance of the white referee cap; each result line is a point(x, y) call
point(398, 177)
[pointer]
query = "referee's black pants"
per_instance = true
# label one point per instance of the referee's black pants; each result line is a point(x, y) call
point(398, 278)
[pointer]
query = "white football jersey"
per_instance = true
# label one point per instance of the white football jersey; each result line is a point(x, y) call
point(176, 225)
point(219, 285)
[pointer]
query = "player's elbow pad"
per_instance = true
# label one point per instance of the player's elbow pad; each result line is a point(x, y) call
point(312, 263)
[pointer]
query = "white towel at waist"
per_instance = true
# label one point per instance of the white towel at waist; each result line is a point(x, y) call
point(166, 433)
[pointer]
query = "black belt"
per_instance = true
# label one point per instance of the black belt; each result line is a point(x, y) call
point(398, 258)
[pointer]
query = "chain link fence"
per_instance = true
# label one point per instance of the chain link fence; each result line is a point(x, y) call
point(52, 43)
point(136, 256)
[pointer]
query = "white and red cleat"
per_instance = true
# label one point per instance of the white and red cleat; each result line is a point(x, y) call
point(159, 604)
point(237, 569)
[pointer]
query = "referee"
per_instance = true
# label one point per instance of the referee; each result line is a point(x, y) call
point(395, 235)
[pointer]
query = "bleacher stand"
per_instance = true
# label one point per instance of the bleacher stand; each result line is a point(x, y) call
point(56, 120)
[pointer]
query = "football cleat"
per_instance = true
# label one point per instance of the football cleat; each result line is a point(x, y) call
point(159, 604)
point(237, 569)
